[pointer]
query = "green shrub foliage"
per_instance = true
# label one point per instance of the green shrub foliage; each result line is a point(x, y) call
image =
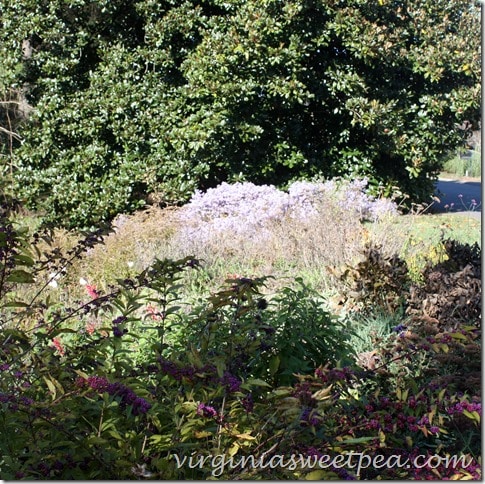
point(135, 383)
point(137, 101)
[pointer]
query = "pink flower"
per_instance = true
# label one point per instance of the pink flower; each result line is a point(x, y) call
point(59, 347)
point(90, 328)
point(154, 313)
point(92, 291)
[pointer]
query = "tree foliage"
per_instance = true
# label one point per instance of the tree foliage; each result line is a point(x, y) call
point(150, 100)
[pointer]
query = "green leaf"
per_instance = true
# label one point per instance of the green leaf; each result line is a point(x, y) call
point(316, 475)
point(52, 387)
point(20, 276)
point(257, 382)
point(56, 332)
point(16, 304)
point(357, 440)
point(274, 364)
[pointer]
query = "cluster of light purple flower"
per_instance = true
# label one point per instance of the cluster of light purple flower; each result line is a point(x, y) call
point(240, 208)
point(128, 397)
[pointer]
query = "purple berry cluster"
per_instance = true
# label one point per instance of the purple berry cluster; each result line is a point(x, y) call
point(118, 330)
point(207, 411)
point(128, 397)
point(14, 401)
point(206, 374)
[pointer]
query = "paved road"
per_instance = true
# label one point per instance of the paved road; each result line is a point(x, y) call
point(464, 195)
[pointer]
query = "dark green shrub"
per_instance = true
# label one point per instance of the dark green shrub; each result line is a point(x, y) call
point(146, 100)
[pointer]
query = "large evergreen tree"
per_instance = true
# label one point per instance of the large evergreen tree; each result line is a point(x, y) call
point(157, 98)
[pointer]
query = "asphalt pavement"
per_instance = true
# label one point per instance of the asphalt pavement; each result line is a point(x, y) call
point(458, 196)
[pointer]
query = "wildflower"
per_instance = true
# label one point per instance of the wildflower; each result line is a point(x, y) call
point(168, 367)
point(58, 346)
point(233, 276)
point(128, 397)
point(119, 320)
point(373, 424)
point(90, 328)
point(117, 331)
point(140, 406)
point(412, 402)
point(434, 430)
point(154, 313)
point(92, 291)
point(384, 402)
point(53, 277)
point(424, 420)
point(309, 417)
